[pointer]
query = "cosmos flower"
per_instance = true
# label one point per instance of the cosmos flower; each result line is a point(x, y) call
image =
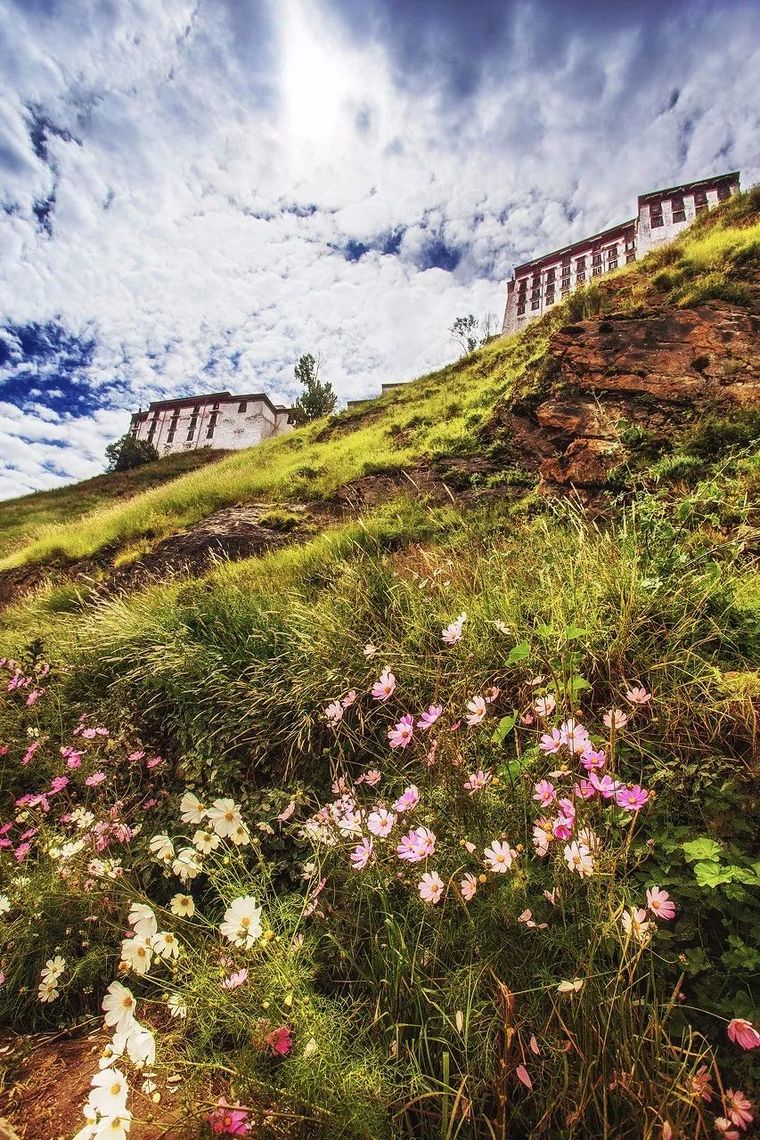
point(280, 1040)
point(544, 706)
point(632, 798)
point(499, 857)
point(551, 742)
point(96, 778)
point(234, 981)
point(408, 799)
point(579, 859)
point(738, 1108)
point(361, 855)
point(120, 1007)
point(451, 634)
point(430, 887)
point(137, 954)
point(476, 781)
point(400, 735)
point(242, 922)
point(162, 848)
point(182, 905)
point(635, 924)
point(660, 904)
point(165, 944)
point(544, 793)
point(109, 1092)
point(637, 695)
point(192, 809)
point(477, 710)
point(372, 777)
point(224, 817)
point(385, 686)
point(592, 759)
point(429, 717)
point(743, 1033)
point(176, 1006)
point(615, 719)
point(142, 919)
point(416, 845)
point(380, 822)
point(468, 886)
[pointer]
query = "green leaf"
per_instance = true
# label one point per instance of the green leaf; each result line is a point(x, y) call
point(503, 728)
point(711, 874)
point(578, 685)
point(518, 653)
point(702, 848)
point(573, 632)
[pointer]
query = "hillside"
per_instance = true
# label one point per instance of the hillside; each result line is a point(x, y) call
point(398, 778)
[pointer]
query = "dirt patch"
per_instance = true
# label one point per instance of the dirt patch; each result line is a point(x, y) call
point(46, 1080)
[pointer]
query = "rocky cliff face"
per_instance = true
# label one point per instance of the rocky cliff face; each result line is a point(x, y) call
point(654, 373)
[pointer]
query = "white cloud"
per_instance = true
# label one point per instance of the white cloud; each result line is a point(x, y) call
point(212, 161)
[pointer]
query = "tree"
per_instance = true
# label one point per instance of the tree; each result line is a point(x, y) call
point(129, 452)
point(318, 398)
point(470, 333)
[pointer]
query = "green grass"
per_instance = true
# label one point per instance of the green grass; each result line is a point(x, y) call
point(22, 519)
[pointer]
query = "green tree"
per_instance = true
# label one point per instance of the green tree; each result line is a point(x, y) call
point(318, 398)
point(128, 452)
point(470, 333)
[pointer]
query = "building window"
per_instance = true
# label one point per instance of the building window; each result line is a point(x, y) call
point(521, 309)
point(243, 406)
point(580, 276)
point(700, 201)
point(596, 271)
point(535, 303)
point(550, 275)
point(723, 193)
point(655, 215)
point(211, 424)
point(612, 257)
point(151, 433)
point(550, 295)
point(565, 286)
point(630, 256)
point(170, 436)
point(679, 213)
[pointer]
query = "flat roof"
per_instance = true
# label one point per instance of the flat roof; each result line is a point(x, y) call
point(212, 398)
point(574, 245)
point(733, 176)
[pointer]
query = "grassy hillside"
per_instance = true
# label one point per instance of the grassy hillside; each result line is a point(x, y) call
point(510, 890)
point(437, 416)
point(22, 519)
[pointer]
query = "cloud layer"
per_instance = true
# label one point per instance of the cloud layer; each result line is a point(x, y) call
point(192, 194)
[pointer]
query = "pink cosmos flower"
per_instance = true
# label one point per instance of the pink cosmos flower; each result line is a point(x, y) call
point(605, 785)
point(743, 1033)
point(380, 822)
point(430, 887)
point(95, 779)
point(136, 757)
point(384, 687)
point(369, 650)
point(738, 1108)
point(562, 826)
point(58, 783)
point(540, 839)
point(527, 718)
point(544, 793)
point(468, 886)
point(408, 800)
point(228, 1121)
point(34, 696)
point(499, 857)
point(372, 777)
point(527, 918)
point(416, 845)
point(476, 781)
point(477, 709)
point(725, 1128)
point(235, 980)
point(333, 712)
point(28, 755)
point(287, 812)
point(631, 799)
point(400, 736)
point(452, 633)
point(280, 1040)
point(701, 1083)
point(584, 790)
point(361, 855)
point(551, 742)
point(544, 706)
point(616, 719)
point(591, 759)
point(661, 905)
point(73, 758)
point(579, 859)
point(430, 717)
point(574, 735)
point(637, 695)
point(491, 694)
point(349, 698)
point(154, 762)
point(21, 852)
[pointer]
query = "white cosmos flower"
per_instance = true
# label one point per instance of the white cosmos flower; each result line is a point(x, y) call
point(182, 905)
point(137, 953)
point(193, 811)
point(109, 1092)
point(177, 1006)
point(224, 816)
point(206, 841)
point(142, 918)
point(141, 1046)
point(241, 836)
point(120, 1007)
point(242, 922)
point(53, 968)
point(47, 991)
point(165, 944)
point(5, 904)
point(187, 864)
point(162, 848)
point(114, 1127)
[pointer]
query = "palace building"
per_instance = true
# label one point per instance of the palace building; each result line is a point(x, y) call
point(217, 420)
point(539, 284)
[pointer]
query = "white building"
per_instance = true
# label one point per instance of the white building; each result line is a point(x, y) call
point(217, 420)
point(539, 284)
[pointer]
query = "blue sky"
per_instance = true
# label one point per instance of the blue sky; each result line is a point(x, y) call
point(193, 193)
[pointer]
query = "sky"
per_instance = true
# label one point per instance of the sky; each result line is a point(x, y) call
point(193, 193)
